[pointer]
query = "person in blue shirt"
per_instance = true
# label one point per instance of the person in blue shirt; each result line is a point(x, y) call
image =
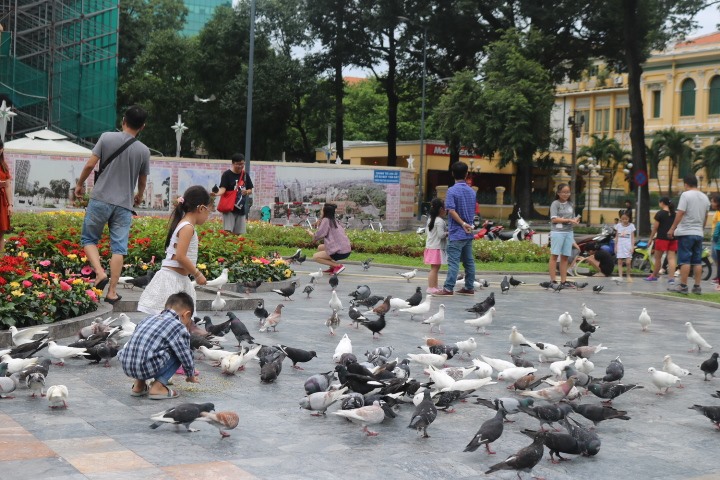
point(460, 208)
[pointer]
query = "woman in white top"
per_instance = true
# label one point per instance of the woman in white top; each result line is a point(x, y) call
point(435, 243)
point(181, 252)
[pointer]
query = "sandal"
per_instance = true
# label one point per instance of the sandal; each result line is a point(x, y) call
point(102, 283)
point(113, 301)
point(164, 396)
point(141, 393)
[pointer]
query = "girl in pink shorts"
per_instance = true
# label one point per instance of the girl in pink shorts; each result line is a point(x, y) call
point(435, 243)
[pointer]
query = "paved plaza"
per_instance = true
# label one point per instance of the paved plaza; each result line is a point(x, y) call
point(105, 434)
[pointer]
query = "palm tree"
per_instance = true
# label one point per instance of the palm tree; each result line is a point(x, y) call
point(709, 159)
point(675, 146)
point(652, 153)
point(607, 152)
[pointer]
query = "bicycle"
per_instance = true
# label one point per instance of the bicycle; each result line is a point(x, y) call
point(371, 224)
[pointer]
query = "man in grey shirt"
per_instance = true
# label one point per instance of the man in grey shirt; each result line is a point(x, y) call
point(690, 220)
point(112, 199)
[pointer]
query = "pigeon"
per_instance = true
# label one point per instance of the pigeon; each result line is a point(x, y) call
point(483, 369)
point(504, 285)
point(367, 415)
point(26, 335)
point(644, 320)
point(467, 346)
point(662, 380)
point(286, 292)
point(711, 412)
point(581, 341)
point(420, 309)
point(588, 441)
point(545, 285)
point(220, 281)
point(521, 362)
point(57, 396)
point(482, 321)
point(710, 366)
point(214, 355)
point(614, 371)
point(28, 349)
point(587, 327)
point(552, 394)
point(424, 414)
point(315, 275)
point(584, 365)
point(16, 365)
point(415, 298)
point(319, 382)
point(548, 414)
point(298, 355)
point(335, 303)
point(97, 327)
point(587, 313)
point(484, 306)
point(381, 309)
point(565, 320)
point(515, 282)
point(513, 373)
point(216, 330)
point(211, 98)
point(587, 352)
point(528, 382)
point(320, 401)
point(219, 303)
point(103, 351)
point(670, 367)
point(398, 303)
point(581, 285)
point(370, 302)
point(260, 311)
point(557, 443)
point(610, 391)
point(408, 275)
point(273, 319)
point(61, 352)
point(436, 319)
point(599, 413)
point(308, 290)
point(270, 370)
point(251, 285)
point(8, 384)
point(516, 340)
point(557, 368)
point(231, 364)
point(295, 256)
point(239, 330)
point(695, 339)
point(333, 281)
point(525, 459)
point(598, 288)
point(333, 322)
point(222, 420)
point(361, 292)
point(42, 366)
point(557, 287)
point(183, 414)
point(375, 326)
point(490, 430)
point(429, 359)
point(496, 363)
point(141, 281)
point(547, 351)
point(355, 315)
point(344, 346)
point(127, 326)
point(366, 264)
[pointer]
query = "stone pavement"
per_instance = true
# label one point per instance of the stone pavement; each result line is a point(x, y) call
point(104, 433)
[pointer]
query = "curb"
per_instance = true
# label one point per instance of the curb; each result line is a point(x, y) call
point(690, 300)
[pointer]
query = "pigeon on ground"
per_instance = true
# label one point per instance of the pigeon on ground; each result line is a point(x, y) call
point(375, 326)
point(552, 394)
point(484, 306)
point(517, 340)
point(183, 414)
point(361, 292)
point(415, 298)
point(614, 371)
point(43, 366)
point(61, 352)
point(581, 341)
point(333, 281)
point(141, 281)
point(286, 292)
point(436, 319)
point(557, 287)
point(420, 309)
point(513, 373)
point(35, 382)
point(251, 285)
point(220, 281)
point(644, 320)
point(710, 366)
point(515, 282)
point(504, 285)
point(26, 335)
point(528, 382)
point(215, 356)
point(333, 322)
point(548, 414)
point(219, 303)
point(490, 430)
point(588, 441)
point(711, 412)
point(521, 362)
point(598, 413)
point(586, 352)
point(496, 363)
point(273, 319)
point(424, 414)
point(371, 301)
point(239, 330)
point(598, 288)
point(545, 285)
point(298, 355)
point(260, 311)
point(695, 338)
point(367, 415)
point(8, 384)
point(587, 327)
point(29, 349)
point(222, 420)
point(565, 320)
point(308, 290)
point(292, 258)
point(587, 313)
point(216, 330)
point(408, 275)
point(271, 366)
point(320, 401)
point(525, 459)
point(231, 364)
point(398, 303)
point(315, 275)
point(103, 351)
point(366, 264)
point(582, 379)
point(383, 308)
point(16, 365)
point(319, 382)
point(428, 359)
point(662, 380)
point(547, 351)
point(557, 443)
point(557, 368)
point(670, 367)
point(467, 346)
point(97, 327)
point(57, 396)
point(482, 321)
point(355, 315)
point(335, 303)
point(610, 391)
point(580, 285)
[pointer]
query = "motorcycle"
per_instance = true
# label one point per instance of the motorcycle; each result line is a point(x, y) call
point(644, 260)
point(496, 232)
point(488, 230)
point(605, 240)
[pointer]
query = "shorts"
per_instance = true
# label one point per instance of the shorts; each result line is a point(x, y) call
point(118, 219)
point(666, 245)
point(561, 243)
point(434, 256)
point(690, 250)
point(235, 223)
point(339, 256)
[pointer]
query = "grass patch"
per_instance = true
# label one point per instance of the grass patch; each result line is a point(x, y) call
point(706, 297)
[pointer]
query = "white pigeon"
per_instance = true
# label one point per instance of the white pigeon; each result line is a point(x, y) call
point(558, 367)
point(457, 373)
point(436, 319)
point(695, 339)
point(320, 401)
point(219, 303)
point(128, 327)
point(565, 320)
point(587, 313)
point(517, 340)
point(367, 415)
point(644, 320)
point(584, 365)
point(428, 359)
point(512, 374)
point(469, 384)
point(335, 303)
point(420, 309)
point(670, 367)
point(214, 355)
point(420, 395)
point(663, 380)
point(483, 368)
point(249, 356)
point(496, 363)
point(440, 378)
point(483, 321)
point(21, 337)
point(467, 346)
point(220, 281)
point(547, 351)
point(398, 303)
point(57, 396)
point(315, 275)
point(229, 365)
point(343, 346)
point(125, 282)
point(15, 365)
point(409, 275)
point(62, 352)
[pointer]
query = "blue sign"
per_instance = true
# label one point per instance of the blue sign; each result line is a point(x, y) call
point(641, 178)
point(387, 176)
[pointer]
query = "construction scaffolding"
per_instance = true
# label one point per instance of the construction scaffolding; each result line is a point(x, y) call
point(58, 65)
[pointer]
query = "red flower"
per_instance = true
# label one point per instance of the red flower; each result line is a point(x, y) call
point(220, 260)
point(65, 287)
point(27, 283)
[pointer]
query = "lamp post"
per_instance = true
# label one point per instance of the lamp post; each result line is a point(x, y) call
point(592, 167)
point(628, 171)
point(248, 112)
point(575, 125)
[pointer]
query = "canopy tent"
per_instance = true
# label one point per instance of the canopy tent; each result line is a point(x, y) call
point(46, 141)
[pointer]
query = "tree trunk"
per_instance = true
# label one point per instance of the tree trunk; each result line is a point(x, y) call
point(393, 101)
point(523, 187)
point(637, 121)
point(670, 180)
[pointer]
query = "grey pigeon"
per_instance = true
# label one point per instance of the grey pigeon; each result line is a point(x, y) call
point(424, 414)
point(610, 391)
point(142, 281)
point(710, 366)
point(43, 366)
point(490, 430)
point(598, 288)
point(333, 281)
point(308, 290)
point(298, 355)
point(557, 287)
point(711, 412)
point(545, 285)
point(239, 330)
point(581, 341)
point(7, 384)
point(352, 401)
point(370, 301)
point(183, 414)
point(547, 414)
point(35, 382)
point(599, 413)
point(415, 298)
point(319, 382)
point(355, 315)
point(615, 371)
point(515, 282)
point(581, 379)
point(286, 292)
point(587, 327)
point(509, 405)
point(504, 285)
point(260, 311)
point(361, 292)
point(270, 370)
point(366, 264)
point(525, 459)
point(29, 349)
point(521, 362)
point(588, 441)
point(557, 443)
point(482, 307)
point(581, 285)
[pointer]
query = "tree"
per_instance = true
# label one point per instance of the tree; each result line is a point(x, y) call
point(675, 146)
point(652, 153)
point(709, 160)
point(608, 153)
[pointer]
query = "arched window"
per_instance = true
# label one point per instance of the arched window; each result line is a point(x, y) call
point(714, 106)
point(687, 98)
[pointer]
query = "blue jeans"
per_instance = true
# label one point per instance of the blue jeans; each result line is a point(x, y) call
point(118, 220)
point(164, 375)
point(460, 250)
point(690, 249)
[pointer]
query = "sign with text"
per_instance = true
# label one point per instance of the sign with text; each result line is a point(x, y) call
point(444, 151)
point(386, 176)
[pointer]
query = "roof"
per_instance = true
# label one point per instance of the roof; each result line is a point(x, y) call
point(354, 80)
point(46, 141)
point(709, 39)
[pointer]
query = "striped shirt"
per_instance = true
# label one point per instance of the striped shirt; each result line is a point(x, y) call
point(461, 198)
point(151, 346)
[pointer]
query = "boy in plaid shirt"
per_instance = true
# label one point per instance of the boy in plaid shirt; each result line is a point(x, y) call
point(159, 345)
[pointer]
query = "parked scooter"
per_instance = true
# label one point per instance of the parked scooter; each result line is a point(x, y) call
point(644, 260)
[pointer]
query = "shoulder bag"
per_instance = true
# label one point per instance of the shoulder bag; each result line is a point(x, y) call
point(103, 165)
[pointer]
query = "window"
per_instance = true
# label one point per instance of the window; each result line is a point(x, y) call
point(586, 122)
point(622, 119)
point(602, 120)
point(656, 101)
point(714, 96)
point(687, 98)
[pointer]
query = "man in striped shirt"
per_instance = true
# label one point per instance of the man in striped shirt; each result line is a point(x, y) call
point(157, 348)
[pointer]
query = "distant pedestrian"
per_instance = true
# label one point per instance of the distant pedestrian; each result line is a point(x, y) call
point(336, 244)
point(664, 219)
point(435, 243)
point(6, 199)
point(715, 202)
point(181, 252)
point(236, 179)
point(460, 208)
point(111, 199)
point(624, 245)
point(562, 219)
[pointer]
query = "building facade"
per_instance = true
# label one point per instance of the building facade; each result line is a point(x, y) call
point(199, 12)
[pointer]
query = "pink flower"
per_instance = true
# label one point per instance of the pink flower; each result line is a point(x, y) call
point(42, 295)
point(91, 294)
point(86, 270)
point(44, 263)
point(65, 287)
point(27, 283)
point(37, 276)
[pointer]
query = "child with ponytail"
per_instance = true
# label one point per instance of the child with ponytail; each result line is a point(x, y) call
point(435, 243)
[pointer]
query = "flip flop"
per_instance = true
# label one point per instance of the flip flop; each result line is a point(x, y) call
point(141, 393)
point(102, 283)
point(113, 301)
point(164, 396)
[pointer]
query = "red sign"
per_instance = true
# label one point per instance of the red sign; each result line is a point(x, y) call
point(442, 150)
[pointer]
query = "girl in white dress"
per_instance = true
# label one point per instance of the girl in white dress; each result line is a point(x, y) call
point(624, 242)
point(181, 252)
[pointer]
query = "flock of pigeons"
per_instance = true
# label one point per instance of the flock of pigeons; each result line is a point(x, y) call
point(376, 386)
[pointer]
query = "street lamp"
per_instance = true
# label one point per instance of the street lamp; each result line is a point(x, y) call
point(592, 167)
point(575, 125)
